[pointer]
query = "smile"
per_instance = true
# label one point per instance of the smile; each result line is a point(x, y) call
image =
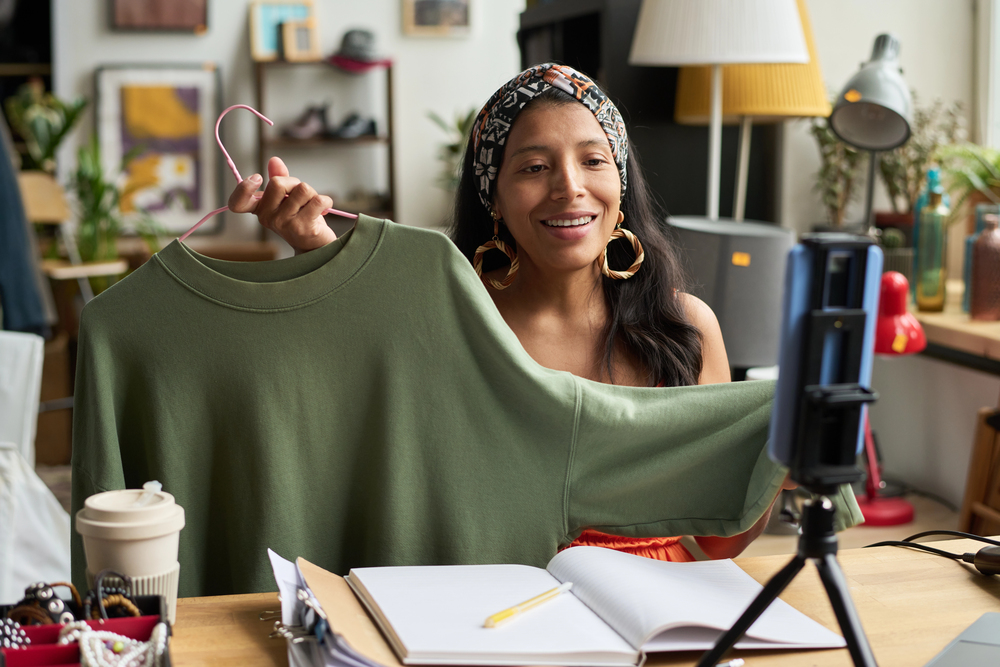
point(575, 222)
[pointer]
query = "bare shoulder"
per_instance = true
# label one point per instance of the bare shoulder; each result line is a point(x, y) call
point(698, 312)
point(714, 361)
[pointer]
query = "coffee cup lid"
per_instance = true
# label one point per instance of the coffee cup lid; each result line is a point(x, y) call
point(130, 513)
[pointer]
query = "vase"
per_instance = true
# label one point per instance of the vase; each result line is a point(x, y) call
point(984, 302)
point(982, 210)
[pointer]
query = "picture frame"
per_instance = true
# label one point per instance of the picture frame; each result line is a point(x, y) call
point(163, 118)
point(300, 41)
point(436, 18)
point(266, 19)
point(159, 15)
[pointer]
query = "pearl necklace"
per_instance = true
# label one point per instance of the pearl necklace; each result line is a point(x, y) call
point(100, 648)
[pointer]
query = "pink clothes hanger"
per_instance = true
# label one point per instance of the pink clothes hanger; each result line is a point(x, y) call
point(236, 172)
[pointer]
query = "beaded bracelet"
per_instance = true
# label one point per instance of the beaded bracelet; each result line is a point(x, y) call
point(12, 635)
point(102, 597)
point(41, 606)
point(99, 648)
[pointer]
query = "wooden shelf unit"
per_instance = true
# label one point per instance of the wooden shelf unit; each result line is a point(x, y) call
point(267, 139)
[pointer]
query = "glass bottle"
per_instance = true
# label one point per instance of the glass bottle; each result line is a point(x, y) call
point(984, 303)
point(933, 183)
point(931, 248)
point(982, 210)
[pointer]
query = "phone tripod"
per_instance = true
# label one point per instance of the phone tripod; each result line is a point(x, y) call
point(818, 543)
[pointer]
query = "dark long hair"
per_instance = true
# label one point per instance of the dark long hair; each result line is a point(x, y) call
point(646, 317)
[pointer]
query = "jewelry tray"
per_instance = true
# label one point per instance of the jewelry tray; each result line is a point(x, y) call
point(44, 650)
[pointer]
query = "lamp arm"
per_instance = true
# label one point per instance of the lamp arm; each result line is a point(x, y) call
point(868, 222)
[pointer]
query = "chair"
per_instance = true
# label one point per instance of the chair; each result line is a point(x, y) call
point(45, 204)
point(981, 507)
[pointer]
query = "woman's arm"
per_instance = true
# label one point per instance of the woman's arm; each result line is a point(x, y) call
point(290, 208)
point(714, 369)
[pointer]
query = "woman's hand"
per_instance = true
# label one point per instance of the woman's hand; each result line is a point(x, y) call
point(290, 208)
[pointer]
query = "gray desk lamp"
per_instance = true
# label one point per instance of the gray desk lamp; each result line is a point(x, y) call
point(873, 110)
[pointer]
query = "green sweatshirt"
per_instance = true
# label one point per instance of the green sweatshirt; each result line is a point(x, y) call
point(365, 404)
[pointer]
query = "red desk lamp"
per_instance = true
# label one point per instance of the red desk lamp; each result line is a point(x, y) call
point(897, 333)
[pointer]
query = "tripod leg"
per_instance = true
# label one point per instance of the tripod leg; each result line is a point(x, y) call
point(763, 600)
point(840, 598)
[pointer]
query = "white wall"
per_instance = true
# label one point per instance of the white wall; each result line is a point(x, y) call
point(937, 56)
point(445, 75)
point(925, 420)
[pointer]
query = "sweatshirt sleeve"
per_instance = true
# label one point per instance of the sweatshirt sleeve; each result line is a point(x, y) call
point(676, 461)
point(96, 460)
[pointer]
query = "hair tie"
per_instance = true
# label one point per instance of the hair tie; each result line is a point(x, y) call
point(489, 132)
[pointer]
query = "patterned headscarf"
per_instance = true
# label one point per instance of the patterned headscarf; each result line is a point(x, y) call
point(489, 133)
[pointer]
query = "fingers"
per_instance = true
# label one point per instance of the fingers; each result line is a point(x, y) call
point(293, 209)
point(276, 167)
point(314, 207)
point(242, 199)
point(278, 187)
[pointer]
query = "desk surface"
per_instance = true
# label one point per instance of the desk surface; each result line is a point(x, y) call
point(910, 603)
point(955, 329)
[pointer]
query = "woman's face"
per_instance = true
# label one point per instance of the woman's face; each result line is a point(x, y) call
point(558, 188)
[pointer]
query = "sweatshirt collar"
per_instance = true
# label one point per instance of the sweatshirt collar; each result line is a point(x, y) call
point(282, 284)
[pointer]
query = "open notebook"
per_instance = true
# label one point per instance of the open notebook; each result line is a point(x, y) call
point(620, 607)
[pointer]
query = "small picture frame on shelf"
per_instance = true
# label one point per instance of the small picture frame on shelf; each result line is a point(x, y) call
point(436, 18)
point(266, 19)
point(299, 41)
point(160, 15)
point(159, 120)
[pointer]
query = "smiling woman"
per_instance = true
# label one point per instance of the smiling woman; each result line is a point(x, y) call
point(548, 178)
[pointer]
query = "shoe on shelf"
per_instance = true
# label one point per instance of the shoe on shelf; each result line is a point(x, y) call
point(310, 124)
point(355, 126)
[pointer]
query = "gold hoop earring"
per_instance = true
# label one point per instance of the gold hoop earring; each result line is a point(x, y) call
point(495, 242)
point(636, 247)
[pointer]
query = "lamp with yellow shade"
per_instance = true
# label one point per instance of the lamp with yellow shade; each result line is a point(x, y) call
point(759, 93)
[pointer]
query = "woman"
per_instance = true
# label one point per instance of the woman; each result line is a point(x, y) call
point(548, 177)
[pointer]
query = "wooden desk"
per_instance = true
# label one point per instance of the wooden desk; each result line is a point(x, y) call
point(954, 329)
point(911, 605)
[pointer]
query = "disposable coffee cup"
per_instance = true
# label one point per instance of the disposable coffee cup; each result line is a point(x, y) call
point(134, 532)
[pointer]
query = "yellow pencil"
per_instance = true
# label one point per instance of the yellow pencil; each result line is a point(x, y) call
point(501, 616)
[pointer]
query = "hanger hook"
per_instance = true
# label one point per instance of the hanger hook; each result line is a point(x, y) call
point(229, 160)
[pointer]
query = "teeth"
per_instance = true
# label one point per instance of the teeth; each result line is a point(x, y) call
point(569, 223)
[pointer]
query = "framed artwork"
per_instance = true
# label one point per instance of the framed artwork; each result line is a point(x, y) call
point(299, 41)
point(438, 18)
point(160, 15)
point(163, 119)
point(266, 18)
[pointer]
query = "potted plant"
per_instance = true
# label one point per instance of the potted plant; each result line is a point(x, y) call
point(839, 173)
point(99, 217)
point(971, 173)
point(42, 120)
point(451, 151)
point(904, 169)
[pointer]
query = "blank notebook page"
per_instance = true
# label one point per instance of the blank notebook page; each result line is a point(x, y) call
point(638, 595)
point(443, 608)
